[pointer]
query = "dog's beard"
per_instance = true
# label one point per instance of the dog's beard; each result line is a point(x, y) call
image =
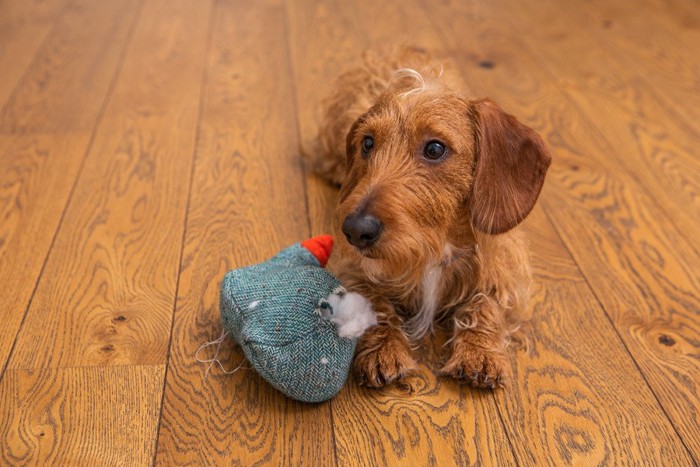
point(400, 259)
point(413, 236)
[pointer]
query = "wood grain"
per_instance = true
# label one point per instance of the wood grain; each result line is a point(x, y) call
point(247, 203)
point(652, 46)
point(39, 169)
point(639, 267)
point(682, 17)
point(24, 25)
point(576, 397)
point(311, 27)
point(148, 146)
point(423, 421)
point(108, 288)
point(37, 174)
point(63, 88)
point(633, 117)
point(79, 416)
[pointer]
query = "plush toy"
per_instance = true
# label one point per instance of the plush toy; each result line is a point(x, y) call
point(294, 321)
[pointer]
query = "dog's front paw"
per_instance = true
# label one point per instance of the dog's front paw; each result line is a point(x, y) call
point(477, 366)
point(381, 360)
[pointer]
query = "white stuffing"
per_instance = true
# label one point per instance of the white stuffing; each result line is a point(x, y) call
point(253, 304)
point(352, 314)
point(324, 361)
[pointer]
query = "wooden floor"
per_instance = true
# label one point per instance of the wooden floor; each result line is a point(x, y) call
point(148, 146)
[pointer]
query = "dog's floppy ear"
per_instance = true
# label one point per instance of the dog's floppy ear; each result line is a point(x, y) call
point(510, 166)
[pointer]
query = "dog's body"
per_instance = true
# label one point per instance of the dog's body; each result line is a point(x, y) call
point(433, 187)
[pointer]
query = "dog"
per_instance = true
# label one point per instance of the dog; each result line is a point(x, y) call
point(433, 185)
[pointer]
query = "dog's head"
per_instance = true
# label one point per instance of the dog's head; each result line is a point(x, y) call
point(424, 163)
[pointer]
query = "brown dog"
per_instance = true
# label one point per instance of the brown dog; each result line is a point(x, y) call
point(433, 186)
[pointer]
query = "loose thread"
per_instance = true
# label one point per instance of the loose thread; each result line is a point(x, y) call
point(214, 359)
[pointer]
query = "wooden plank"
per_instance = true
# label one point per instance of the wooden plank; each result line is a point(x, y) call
point(312, 26)
point(639, 267)
point(107, 292)
point(427, 421)
point(36, 177)
point(577, 397)
point(24, 25)
point(40, 169)
point(680, 17)
point(247, 203)
point(634, 117)
point(58, 92)
point(651, 45)
point(80, 416)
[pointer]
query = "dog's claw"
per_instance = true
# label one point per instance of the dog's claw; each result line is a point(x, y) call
point(476, 367)
point(383, 366)
point(500, 381)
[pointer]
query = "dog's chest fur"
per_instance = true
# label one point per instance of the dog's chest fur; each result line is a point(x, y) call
point(429, 292)
point(427, 302)
point(442, 286)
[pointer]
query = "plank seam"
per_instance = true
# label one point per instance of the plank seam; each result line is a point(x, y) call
point(49, 35)
point(98, 122)
point(304, 173)
point(305, 183)
point(681, 119)
point(204, 81)
point(651, 201)
point(617, 333)
point(295, 106)
point(82, 367)
point(503, 427)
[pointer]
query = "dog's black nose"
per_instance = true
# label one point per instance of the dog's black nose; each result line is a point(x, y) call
point(362, 230)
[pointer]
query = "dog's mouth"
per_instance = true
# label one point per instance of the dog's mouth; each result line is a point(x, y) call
point(370, 253)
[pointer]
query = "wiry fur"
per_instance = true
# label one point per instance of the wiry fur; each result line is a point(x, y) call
point(436, 256)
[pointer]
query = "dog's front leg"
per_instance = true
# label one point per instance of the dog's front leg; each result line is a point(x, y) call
point(478, 343)
point(383, 354)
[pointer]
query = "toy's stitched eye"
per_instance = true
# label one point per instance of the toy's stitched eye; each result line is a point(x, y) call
point(367, 145)
point(434, 150)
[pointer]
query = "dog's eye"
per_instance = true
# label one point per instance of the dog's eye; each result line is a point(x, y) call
point(367, 145)
point(434, 150)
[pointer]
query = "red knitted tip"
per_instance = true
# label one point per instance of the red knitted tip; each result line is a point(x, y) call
point(321, 247)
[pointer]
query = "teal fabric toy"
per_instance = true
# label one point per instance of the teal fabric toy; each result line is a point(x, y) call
point(294, 321)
